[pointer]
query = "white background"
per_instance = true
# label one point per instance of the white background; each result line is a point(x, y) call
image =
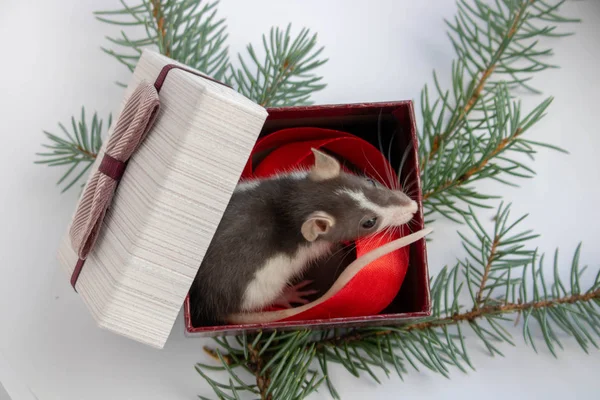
point(51, 64)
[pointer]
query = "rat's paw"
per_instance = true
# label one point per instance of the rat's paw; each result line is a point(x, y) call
point(293, 294)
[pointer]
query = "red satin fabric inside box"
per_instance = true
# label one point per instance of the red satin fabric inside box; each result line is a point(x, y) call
point(291, 149)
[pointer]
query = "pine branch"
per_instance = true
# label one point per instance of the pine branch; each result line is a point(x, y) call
point(492, 156)
point(488, 70)
point(185, 30)
point(486, 271)
point(278, 364)
point(78, 149)
point(286, 74)
point(188, 31)
point(470, 316)
point(504, 279)
point(262, 382)
point(465, 135)
point(161, 30)
point(499, 25)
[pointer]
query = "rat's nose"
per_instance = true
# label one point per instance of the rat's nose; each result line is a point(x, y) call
point(413, 206)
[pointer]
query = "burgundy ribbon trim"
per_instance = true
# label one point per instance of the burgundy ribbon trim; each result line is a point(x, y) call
point(76, 272)
point(167, 68)
point(114, 168)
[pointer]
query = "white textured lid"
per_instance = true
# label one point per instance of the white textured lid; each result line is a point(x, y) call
point(168, 203)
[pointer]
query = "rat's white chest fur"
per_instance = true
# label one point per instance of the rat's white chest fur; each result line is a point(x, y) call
point(277, 272)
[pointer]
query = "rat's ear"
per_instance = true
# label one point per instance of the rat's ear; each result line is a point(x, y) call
point(317, 224)
point(326, 167)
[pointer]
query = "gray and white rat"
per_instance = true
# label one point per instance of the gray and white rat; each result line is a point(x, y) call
point(274, 228)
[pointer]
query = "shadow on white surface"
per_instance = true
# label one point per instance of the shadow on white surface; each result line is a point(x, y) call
point(3, 394)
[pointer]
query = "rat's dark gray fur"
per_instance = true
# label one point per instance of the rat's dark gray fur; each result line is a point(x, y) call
point(265, 219)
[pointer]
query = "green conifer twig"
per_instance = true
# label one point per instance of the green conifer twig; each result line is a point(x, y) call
point(77, 149)
point(515, 286)
point(285, 75)
point(475, 130)
point(188, 31)
point(185, 30)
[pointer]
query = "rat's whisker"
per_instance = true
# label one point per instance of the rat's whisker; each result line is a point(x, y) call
point(406, 178)
point(411, 187)
point(381, 179)
point(409, 147)
point(359, 224)
point(369, 239)
point(409, 179)
point(412, 224)
point(343, 257)
point(388, 167)
point(389, 164)
point(381, 237)
point(343, 251)
point(412, 193)
point(342, 248)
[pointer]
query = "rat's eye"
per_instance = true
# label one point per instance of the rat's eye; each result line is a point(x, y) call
point(368, 224)
point(372, 182)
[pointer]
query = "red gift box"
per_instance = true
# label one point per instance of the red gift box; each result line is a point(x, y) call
point(392, 124)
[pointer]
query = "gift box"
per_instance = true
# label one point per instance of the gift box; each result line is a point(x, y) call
point(163, 179)
point(389, 126)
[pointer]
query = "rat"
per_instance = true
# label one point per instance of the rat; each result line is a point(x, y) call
point(274, 228)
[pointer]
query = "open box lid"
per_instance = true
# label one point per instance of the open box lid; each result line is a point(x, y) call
point(168, 202)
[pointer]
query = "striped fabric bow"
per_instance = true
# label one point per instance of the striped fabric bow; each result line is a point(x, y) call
point(133, 125)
